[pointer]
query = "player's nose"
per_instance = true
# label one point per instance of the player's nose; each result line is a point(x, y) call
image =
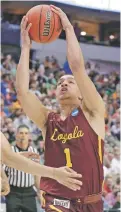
point(64, 84)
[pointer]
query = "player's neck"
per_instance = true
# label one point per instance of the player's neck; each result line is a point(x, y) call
point(67, 109)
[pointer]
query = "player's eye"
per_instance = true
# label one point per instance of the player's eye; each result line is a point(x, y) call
point(59, 83)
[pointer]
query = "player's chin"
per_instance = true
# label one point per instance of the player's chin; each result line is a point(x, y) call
point(64, 97)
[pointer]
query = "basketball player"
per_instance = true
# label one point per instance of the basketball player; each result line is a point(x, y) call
point(63, 175)
point(75, 136)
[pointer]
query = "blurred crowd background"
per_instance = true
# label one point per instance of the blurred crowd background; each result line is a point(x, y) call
point(44, 74)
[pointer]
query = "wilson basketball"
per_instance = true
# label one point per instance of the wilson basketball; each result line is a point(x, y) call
point(46, 25)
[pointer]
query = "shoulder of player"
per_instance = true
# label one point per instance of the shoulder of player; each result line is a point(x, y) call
point(93, 114)
point(51, 113)
point(96, 121)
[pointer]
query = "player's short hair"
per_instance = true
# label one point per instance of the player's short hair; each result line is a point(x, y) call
point(65, 75)
point(22, 126)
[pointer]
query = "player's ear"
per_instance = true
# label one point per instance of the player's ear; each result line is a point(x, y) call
point(80, 98)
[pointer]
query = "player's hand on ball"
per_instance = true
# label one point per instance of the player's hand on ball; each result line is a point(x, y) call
point(68, 178)
point(25, 39)
point(5, 188)
point(64, 19)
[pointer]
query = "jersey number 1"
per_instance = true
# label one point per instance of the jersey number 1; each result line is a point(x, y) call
point(68, 157)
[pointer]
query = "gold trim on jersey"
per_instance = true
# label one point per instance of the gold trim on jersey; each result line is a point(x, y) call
point(100, 148)
point(43, 201)
point(54, 208)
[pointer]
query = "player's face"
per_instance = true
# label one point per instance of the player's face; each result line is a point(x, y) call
point(67, 89)
point(23, 135)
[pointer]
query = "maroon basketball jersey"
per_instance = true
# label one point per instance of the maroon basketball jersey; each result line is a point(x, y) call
point(74, 143)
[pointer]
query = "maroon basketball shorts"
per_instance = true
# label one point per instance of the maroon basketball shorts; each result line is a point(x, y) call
point(92, 204)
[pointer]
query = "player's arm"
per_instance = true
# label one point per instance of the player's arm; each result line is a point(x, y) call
point(20, 162)
point(31, 105)
point(5, 188)
point(63, 175)
point(37, 178)
point(91, 97)
point(37, 185)
point(3, 175)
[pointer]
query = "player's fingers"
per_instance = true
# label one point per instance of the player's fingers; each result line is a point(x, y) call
point(70, 170)
point(28, 27)
point(72, 186)
point(35, 155)
point(24, 24)
point(56, 8)
point(74, 181)
point(5, 192)
point(72, 173)
point(55, 11)
point(23, 19)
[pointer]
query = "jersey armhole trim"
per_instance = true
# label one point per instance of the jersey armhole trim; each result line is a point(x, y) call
point(100, 148)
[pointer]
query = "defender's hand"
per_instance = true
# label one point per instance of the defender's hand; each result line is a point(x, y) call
point(64, 20)
point(32, 155)
point(25, 39)
point(5, 188)
point(68, 178)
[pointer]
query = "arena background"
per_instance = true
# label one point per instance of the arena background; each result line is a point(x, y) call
point(97, 26)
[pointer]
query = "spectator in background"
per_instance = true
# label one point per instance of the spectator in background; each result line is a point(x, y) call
point(111, 197)
point(107, 188)
point(88, 67)
point(116, 162)
point(5, 85)
point(55, 65)
point(51, 79)
point(115, 129)
point(33, 88)
point(23, 119)
point(41, 75)
point(2, 111)
point(9, 64)
point(47, 63)
point(118, 201)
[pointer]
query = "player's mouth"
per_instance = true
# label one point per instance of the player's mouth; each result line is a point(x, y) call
point(63, 90)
